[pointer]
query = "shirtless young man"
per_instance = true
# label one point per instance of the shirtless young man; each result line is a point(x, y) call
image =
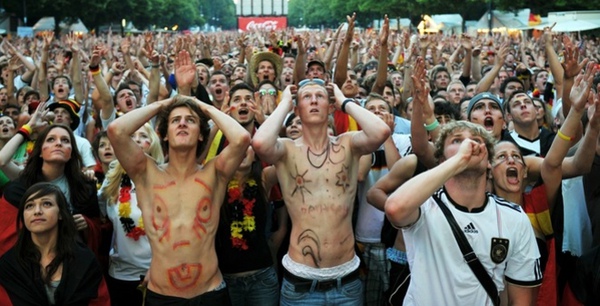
point(318, 177)
point(181, 200)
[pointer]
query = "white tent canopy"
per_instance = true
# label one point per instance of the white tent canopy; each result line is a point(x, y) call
point(572, 21)
point(47, 24)
point(509, 20)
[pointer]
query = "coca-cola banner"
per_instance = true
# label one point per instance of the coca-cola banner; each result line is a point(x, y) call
point(261, 23)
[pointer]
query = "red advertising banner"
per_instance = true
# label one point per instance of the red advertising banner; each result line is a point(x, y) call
point(261, 23)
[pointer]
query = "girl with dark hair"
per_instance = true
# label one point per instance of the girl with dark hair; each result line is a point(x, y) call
point(53, 159)
point(47, 266)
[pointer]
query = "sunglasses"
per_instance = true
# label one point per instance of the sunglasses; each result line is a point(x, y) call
point(270, 92)
point(312, 81)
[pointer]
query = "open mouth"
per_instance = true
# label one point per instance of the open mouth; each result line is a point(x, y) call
point(243, 112)
point(108, 155)
point(183, 133)
point(218, 91)
point(5, 130)
point(288, 80)
point(129, 103)
point(512, 176)
point(488, 123)
point(265, 77)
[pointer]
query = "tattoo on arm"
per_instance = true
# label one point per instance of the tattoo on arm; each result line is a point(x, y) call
point(312, 245)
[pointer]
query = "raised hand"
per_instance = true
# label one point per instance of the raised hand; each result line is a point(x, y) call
point(37, 118)
point(385, 31)
point(14, 64)
point(185, 71)
point(581, 88)
point(125, 46)
point(97, 55)
point(466, 42)
point(570, 65)
point(72, 41)
point(48, 38)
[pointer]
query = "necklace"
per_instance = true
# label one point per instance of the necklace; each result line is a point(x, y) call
point(242, 205)
point(309, 153)
point(134, 232)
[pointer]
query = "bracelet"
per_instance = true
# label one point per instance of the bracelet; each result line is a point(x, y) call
point(563, 136)
point(27, 128)
point(343, 108)
point(24, 133)
point(432, 126)
point(155, 65)
point(97, 72)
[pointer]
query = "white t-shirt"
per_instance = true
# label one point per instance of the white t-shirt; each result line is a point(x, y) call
point(85, 150)
point(370, 219)
point(440, 275)
point(128, 258)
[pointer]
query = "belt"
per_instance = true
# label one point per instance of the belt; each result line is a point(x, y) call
point(304, 284)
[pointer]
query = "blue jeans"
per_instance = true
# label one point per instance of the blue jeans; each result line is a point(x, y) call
point(350, 294)
point(260, 288)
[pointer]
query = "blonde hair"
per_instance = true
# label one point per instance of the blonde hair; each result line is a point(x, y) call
point(116, 171)
point(460, 125)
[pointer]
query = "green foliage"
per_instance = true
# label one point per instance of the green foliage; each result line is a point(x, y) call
point(143, 13)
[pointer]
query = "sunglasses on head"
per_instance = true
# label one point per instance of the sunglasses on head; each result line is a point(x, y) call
point(270, 92)
point(307, 81)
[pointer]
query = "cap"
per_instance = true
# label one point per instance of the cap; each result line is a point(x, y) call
point(481, 96)
point(72, 107)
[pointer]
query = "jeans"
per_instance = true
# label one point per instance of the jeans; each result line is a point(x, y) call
point(260, 288)
point(350, 294)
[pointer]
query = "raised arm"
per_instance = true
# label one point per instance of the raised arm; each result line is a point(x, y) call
point(379, 85)
point(341, 67)
point(27, 76)
point(300, 65)
point(402, 207)
point(422, 116)
point(486, 82)
point(10, 169)
point(374, 130)
point(401, 172)
point(553, 61)
point(266, 142)
point(571, 68)
point(228, 161)
point(551, 170)
point(103, 102)
point(48, 36)
point(185, 72)
point(73, 44)
point(128, 152)
point(467, 44)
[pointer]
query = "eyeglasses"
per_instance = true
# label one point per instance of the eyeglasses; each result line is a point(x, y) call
point(270, 92)
point(308, 81)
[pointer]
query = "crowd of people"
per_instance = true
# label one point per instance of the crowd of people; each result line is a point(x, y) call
point(313, 168)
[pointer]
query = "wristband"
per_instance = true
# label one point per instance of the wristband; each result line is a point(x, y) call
point(94, 68)
point(97, 72)
point(155, 65)
point(432, 126)
point(27, 128)
point(24, 133)
point(343, 108)
point(563, 136)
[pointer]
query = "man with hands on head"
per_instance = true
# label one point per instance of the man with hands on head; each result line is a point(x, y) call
point(318, 177)
point(181, 200)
